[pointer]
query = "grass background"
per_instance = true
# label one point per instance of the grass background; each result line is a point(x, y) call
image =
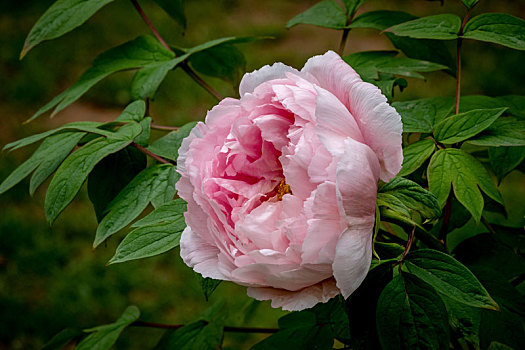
point(49, 276)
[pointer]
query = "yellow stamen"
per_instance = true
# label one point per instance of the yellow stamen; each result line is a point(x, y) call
point(282, 189)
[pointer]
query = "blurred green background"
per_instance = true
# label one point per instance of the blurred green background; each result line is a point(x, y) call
point(50, 278)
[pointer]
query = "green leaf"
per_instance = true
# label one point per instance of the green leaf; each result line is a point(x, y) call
point(409, 198)
point(465, 125)
point(415, 154)
point(515, 103)
point(167, 212)
point(46, 155)
point(208, 286)
point(74, 170)
point(465, 173)
point(422, 115)
point(449, 277)
point(62, 17)
point(470, 3)
point(164, 190)
point(361, 307)
point(352, 6)
point(411, 315)
point(91, 127)
point(61, 146)
point(381, 19)
point(132, 200)
point(174, 8)
point(110, 176)
point(504, 327)
point(441, 27)
point(147, 241)
point(147, 80)
point(135, 111)
point(61, 339)
point(168, 145)
point(198, 335)
point(369, 63)
point(103, 337)
point(507, 131)
point(140, 52)
point(223, 61)
point(498, 28)
point(326, 13)
point(423, 49)
point(303, 329)
point(505, 159)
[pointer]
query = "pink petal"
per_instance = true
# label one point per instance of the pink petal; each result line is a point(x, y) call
point(357, 175)
point(353, 255)
point(200, 255)
point(252, 80)
point(379, 123)
point(296, 301)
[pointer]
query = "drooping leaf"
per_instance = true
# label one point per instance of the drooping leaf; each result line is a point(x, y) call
point(362, 305)
point(507, 131)
point(381, 19)
point(91, 127)
point(505, 159)
point(352, 6)
point(110, 176)
point(369, 63)
point(449, 277)
point(140, 52)
point(63, 338)
point(465, 173)
point(498, 28)
point(441, 27)
point(504, 327)
point(422, 49)
point(61, 146)
point(465, 125)
point(168, 145)
point(47, 155)
point(148, 241)
point(174, 8)
point(208, 286)
point(197, 335)
point(411, 315)
point(168, 212)
point(422, 115)
point(415, 154)
point(103, 337)
point(326, 13)
point(470, 3)
point(305, 329)
point(223, 61)
point(147, 80)
point(62, 17)
point(74, 170)
point(410, 198)
point(132, 200)
point(135, 111)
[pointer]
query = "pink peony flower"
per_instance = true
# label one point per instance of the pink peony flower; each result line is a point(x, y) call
point(281, 184)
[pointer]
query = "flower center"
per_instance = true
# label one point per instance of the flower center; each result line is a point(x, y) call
point(282, 189)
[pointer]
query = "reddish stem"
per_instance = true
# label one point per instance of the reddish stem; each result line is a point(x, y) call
point(226, 328)
point(164, 127)
point(151, 154)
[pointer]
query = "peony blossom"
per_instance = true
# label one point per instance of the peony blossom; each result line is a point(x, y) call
point(281, 184)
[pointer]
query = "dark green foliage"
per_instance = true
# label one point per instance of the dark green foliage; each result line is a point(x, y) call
point(411, 315)
point(413, 297)
point(326, 13)
point(497, 28)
